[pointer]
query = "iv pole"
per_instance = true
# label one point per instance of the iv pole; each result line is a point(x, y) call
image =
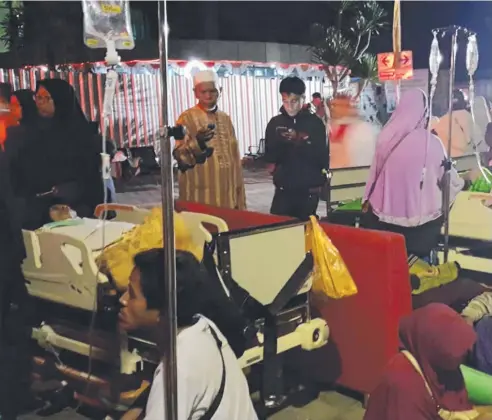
point(169, 371)
point(448, 162)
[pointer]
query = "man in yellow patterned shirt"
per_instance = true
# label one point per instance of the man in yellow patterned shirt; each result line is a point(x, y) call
point(213, 175)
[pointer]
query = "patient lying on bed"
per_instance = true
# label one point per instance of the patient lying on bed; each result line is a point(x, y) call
point(114, 244)
point(117, 258)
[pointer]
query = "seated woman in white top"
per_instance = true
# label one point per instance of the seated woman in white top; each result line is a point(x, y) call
point(204, 357)
point(466, 133)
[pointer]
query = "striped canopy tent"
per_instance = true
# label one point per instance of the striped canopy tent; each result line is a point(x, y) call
point(249, 93)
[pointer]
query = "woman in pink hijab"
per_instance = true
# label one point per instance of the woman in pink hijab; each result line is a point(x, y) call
point(403, 193)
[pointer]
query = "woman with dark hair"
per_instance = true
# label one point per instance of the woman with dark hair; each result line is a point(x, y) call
point(59, 159)
point(210, 380)
point(23, 111)
point(23, 107)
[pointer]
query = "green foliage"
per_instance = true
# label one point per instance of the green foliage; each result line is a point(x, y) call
point(12, 25)
point(345, 41)
point(42, 31)
point(366, 67)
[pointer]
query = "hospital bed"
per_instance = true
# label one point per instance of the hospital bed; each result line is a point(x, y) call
point(349, 183)
point(470, 234)
point(470, 220)
point(77, 305)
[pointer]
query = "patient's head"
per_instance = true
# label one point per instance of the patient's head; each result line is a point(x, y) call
point(144, 301)
point(60, 212)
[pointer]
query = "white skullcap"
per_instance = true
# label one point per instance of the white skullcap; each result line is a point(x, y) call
point(204, 76)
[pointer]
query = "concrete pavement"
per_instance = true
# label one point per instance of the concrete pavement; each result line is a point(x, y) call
point(329, 406)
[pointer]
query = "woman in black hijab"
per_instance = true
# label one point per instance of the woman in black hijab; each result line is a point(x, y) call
point(59, 161)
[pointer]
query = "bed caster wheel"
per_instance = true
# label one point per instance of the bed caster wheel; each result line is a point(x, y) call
point(314, 334)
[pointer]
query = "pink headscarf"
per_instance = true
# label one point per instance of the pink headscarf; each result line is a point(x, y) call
point(404, 194)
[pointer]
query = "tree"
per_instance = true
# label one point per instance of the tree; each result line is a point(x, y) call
point(342, 46)
point(43, 32)
point(366, 70)
point(12, 27)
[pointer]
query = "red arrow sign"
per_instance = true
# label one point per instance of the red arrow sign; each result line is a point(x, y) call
point(386, 70)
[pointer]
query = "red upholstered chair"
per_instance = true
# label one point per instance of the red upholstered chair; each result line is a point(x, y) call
point(364, 327)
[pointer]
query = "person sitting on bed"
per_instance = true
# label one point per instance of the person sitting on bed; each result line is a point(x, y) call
point(58, 161)
point(210, 380)
point(467, 135)
point(424, 381)
point(403, 193)
point(487, 155)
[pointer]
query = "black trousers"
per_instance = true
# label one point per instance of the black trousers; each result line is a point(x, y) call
point(15, 332)
point(295, 203)
point(420, 240)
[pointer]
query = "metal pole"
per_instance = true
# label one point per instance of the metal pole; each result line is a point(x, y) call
point(169, 371)
point(448, 163)
point(398, 91)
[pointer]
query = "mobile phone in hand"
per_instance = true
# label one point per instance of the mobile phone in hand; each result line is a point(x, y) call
point(282, 130)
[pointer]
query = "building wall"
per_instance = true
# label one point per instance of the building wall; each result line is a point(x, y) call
point(263, 52)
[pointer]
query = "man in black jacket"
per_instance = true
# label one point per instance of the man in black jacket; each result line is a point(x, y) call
point(297, 149)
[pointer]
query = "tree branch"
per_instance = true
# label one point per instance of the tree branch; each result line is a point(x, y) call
point(344, 74)
point(328, 72)
point(359, 38)
point(365, 47)
point(361, 87)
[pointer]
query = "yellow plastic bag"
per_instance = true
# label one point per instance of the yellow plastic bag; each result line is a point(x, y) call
point(117, 258)
point(330, 276)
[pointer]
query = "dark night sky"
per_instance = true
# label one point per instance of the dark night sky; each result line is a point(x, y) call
point(289, 21)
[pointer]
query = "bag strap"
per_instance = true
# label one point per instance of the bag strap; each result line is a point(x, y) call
point(443, 414)
point(218, 398)
point(416, 366)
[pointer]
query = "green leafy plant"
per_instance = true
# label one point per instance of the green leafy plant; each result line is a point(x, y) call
point(366, 70)
point(12, 26)
point(342, 46)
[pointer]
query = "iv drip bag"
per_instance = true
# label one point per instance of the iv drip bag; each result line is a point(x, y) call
point(107, 22)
